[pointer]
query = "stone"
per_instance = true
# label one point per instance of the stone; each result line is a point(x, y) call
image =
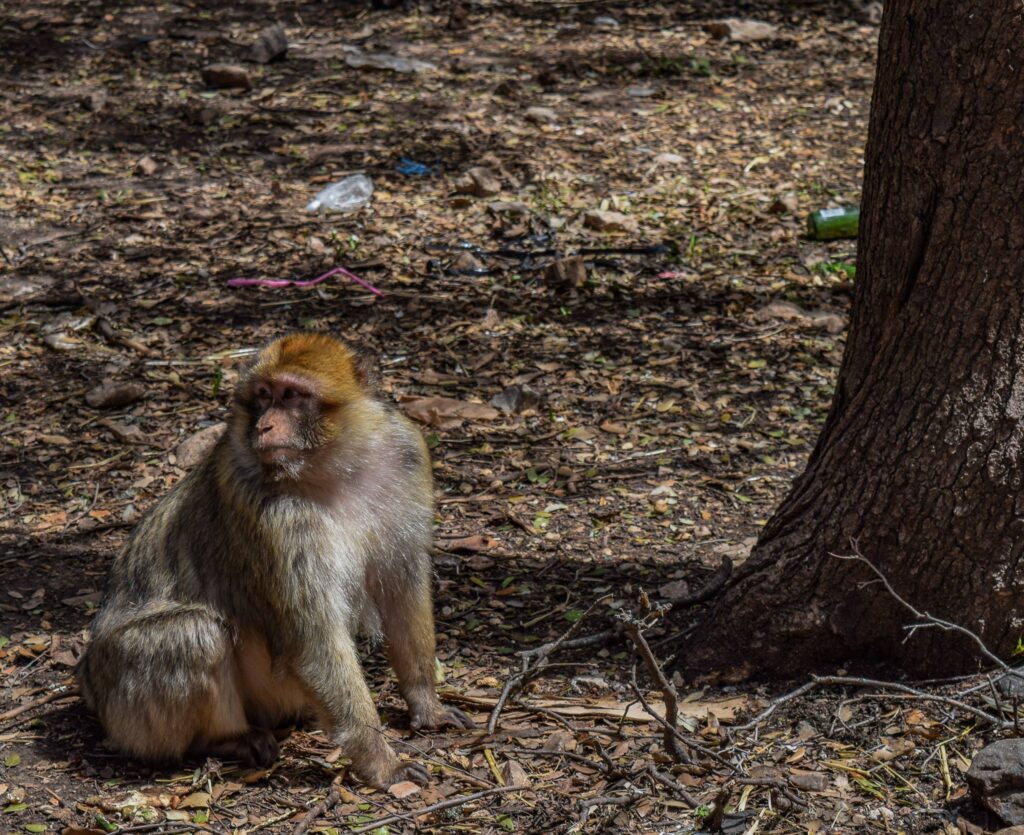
point(111, 395)
point(1011, 686)
point(480, 182)
point(832, 323)
point(465, 263)
point(810, 781)
point(146, 166)
point(785, 204)
point(669, 159)
point(24, 288)
point(226, 76)
point(605, 221)
point(541, 115)
point(95, 100)
point(198, 445)
point(675, 590)
point(387, 61)
point(516, 399)
point(514, 774)
point(566, 272)
point(741, 30)
point(996, 779)
point(271, 44)
point(510, 207)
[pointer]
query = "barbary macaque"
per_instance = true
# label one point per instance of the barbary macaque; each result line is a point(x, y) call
point(233, 608)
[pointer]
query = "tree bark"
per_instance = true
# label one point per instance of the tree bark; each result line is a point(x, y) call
point(919, 464)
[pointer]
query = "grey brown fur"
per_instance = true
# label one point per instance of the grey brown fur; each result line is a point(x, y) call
point(232, 608)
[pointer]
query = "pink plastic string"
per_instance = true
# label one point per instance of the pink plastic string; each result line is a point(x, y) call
point(276, 283)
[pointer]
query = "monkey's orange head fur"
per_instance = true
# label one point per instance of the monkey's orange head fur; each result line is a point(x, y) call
point(331, 368)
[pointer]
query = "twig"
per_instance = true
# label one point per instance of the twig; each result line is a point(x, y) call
point(605, 800)
point(825, 681)
point(437, 807)
point(56, 696)
point(575, 643)
point(929, 620)
point(541, 654)
point(321, 808)
point(675, 786)
point(675, 730)
point(668, 692)
point(774, 783)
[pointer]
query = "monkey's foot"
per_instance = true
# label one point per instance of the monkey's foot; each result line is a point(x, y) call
point(413, 771)
point(437, 717)
point(257, 747)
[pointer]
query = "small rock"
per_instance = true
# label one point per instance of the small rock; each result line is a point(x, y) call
point(465, 263)
point(541, 115)
point(567, 272)
point(480, 182)
point(742, 31)
point(1011, 685)
point(871, 12)
point(785, 204)
point(810, 781)
point(641, 91)
point(516, 399)
point(996, 778)
point(604, 221)
point(227, 76)
point(606, 21)
point(387, 61)
point(822, 320)
point(95, 100)
point(271, 44)
point(127, 433)
point(501, 207)
point(146, 166)
point(111, 395)
point(198, 445)
point(1010, 830)
point(560, 741)
point(805, 731)
point(676, 590)
point(16, 288)
point(514, 774)
point(668, 159)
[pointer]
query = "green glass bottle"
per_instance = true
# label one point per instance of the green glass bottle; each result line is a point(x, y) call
point(830, 224)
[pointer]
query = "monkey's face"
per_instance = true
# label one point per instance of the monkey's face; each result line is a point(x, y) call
point(285, 416)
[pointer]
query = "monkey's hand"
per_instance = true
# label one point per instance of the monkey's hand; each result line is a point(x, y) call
point(436, 717)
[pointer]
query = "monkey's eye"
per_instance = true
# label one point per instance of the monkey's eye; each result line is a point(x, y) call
point(289, 394)
point(263, 394)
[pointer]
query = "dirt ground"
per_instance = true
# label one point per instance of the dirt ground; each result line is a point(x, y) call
point(647, 419)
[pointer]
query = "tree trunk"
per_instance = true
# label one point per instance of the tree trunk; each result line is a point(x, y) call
point(919, 465)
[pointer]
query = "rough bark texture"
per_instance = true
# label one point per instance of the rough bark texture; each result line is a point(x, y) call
point(920, 461)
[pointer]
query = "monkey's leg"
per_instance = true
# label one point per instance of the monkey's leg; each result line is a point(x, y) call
point(335, 676)
point(407, 612)
point(164, 684)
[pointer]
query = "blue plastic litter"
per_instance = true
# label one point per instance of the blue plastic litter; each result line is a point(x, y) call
point(411, 168)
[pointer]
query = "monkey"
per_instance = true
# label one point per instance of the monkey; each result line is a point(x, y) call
point(233, 608)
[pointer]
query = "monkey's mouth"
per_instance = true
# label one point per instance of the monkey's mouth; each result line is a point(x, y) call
point(278, 455)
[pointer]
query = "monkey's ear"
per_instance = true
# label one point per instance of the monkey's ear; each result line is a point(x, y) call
point(367, 370)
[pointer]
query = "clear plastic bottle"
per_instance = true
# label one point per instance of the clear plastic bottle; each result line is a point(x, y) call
point(346, 195)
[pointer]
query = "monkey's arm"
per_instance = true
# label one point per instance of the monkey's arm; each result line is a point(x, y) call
point(406, 609)
point(335, 676)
